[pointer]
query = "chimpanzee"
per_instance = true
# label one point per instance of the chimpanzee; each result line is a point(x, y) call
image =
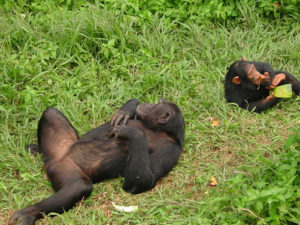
point(248, 83)
point(142, 143)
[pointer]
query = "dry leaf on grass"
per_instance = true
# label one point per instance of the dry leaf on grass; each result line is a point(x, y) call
point(215, 123)
point(212, 182)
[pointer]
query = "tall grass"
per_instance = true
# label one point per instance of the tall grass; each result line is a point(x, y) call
point(88, 62)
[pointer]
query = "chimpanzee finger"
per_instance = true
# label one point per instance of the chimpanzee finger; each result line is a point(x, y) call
point(112, 121)
point(126, 118)
point(118, 120)
point(270, 87)
point(117, 117)
point(113, 131)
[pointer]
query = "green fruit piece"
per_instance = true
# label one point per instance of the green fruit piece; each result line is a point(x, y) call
point(283, 91)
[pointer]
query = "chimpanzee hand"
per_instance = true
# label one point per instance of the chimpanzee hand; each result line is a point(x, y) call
point(266, 80)
point(277, 79)
point(124, 131)
point(270, 97)
point(127, 111)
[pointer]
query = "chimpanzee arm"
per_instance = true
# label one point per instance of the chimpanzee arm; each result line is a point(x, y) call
point(164, 160)
point(61, 201)
point(138, 176)
point(143, 170)
point(126, 112)
point(295, 83)
point(260, 105)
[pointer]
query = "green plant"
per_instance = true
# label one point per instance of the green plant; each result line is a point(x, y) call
point(88, 60)
point(270, 195)
point(179, 10)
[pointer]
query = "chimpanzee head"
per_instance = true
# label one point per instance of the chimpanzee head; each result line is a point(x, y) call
point(243, 71)
point(164, 116)
point(243, 74)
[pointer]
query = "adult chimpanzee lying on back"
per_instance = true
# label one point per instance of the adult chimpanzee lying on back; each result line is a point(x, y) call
point(144, 148)
point(248, 84)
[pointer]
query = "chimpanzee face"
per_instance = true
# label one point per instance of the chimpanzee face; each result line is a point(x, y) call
point(253, 75)
point(156, 114)
point(246, 72)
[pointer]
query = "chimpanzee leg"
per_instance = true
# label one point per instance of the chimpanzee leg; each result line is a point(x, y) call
point(75, 187)
point(55, 135)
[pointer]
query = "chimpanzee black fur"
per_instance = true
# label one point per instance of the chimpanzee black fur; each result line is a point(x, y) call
point(142, 143)
point(254, 81)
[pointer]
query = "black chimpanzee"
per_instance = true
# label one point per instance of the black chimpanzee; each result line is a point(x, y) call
point(248, 84)
point(142, 143)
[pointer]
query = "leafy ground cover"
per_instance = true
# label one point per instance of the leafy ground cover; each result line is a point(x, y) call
point(87, 62)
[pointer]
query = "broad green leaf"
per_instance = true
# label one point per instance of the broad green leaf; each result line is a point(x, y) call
point(283, 91)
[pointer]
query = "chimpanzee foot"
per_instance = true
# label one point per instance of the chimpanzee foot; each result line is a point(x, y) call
point(23, 217)
point(33, 148)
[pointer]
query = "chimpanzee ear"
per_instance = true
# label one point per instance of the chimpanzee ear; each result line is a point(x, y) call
point(165, 117)
point(236, 80)
point(244, 59)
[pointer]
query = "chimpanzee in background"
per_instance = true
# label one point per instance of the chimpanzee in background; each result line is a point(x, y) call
point(142, 143)
point(248, 84)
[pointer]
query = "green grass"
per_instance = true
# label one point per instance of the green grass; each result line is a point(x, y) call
point(88, 62)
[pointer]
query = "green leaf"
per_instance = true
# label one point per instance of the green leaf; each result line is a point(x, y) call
point(283, 91)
